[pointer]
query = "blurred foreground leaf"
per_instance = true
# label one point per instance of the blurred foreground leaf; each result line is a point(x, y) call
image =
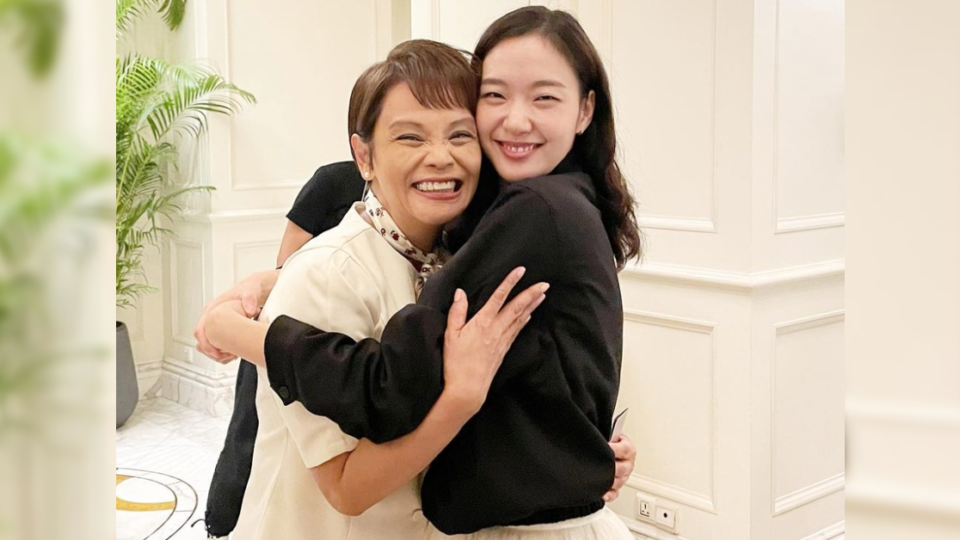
point(35, 26)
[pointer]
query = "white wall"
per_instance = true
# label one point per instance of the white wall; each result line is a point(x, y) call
point(300, 61)
point(730, 120)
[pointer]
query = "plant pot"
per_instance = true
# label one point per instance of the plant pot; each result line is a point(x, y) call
point(128, 392)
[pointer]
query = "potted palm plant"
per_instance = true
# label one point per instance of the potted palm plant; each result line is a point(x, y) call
point(160, 107)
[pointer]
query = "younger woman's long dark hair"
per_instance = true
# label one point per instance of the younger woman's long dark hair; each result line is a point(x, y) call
point(596, 148)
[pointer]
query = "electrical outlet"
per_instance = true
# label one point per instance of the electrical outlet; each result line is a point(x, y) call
point(666, 516)
point(662, 513)
point(645, 506)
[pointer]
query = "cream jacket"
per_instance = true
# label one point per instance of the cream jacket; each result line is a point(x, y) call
point(346, 280)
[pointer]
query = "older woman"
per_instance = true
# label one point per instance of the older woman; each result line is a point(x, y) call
point(309, 478)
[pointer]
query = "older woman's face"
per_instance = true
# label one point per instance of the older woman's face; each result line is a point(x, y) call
point(426, 162)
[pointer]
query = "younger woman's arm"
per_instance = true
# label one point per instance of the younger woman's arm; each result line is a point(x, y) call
point(354, 481)
point(364, 387)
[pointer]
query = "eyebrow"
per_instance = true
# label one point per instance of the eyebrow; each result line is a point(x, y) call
point(406, 123)
point(417, 125)
point(536, 84)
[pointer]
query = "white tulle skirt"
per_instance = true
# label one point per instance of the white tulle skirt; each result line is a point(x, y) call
point(600, 525)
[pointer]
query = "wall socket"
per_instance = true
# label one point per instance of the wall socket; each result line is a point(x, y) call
point(659, 512)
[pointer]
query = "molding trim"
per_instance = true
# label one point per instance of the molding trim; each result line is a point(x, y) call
point(190, 389)
point(174, 287)
point(809, 223)
point(808, 494)
point(240, 246)
point(799, 223)
point(648, 531)
point(435, 19)
point(824, 487)
point(806, 323)
point(288, 184)
point(735, 281)
point(675, 493)
point(669, 321)
point(677, 223)
point(833, 532)
point(701, 224)
point(149, 368)
point(238, 216)
point(195, 374)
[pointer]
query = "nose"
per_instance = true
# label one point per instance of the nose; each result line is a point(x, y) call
point(517, 120)
point(438, 156)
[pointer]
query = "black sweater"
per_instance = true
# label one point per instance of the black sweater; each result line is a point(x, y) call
point(537, 451)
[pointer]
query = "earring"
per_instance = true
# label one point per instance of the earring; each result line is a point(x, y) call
point(366, 175)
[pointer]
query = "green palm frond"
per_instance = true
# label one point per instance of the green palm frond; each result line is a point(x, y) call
point(173, 12)
point(129, 11)
point(158, 106)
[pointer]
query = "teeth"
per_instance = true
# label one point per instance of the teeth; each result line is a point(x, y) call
point(449, 185)
point(519, 149)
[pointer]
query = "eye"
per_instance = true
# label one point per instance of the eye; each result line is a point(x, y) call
point(409, 137)
point(491, 95)
point(546, 98)
point(462, 135)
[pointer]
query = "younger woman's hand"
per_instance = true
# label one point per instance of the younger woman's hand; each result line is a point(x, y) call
point(474, 351)
point(626, 455)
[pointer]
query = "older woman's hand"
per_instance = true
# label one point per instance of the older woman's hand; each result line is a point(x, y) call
point(251, 293)
point(474, 351)
point(626, 455)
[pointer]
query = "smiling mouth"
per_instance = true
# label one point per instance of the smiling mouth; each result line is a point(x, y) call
point(518, 150)
point(438, 186)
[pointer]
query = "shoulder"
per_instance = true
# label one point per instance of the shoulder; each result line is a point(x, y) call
point(546, 199)
point(337, 248)
point(340, 176)
point(564, 189)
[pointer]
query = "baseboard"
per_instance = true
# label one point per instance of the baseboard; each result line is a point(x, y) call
point(837, 531)
point(213, 400)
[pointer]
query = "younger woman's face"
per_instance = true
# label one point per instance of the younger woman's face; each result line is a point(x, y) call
point(530, 107)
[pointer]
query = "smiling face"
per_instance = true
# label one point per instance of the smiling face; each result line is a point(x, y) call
point(425, 163)
point(530, 107)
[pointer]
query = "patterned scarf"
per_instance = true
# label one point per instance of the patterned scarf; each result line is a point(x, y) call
point(430, 263)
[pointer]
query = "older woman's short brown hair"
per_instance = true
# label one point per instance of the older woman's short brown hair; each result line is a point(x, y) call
point(439, 76)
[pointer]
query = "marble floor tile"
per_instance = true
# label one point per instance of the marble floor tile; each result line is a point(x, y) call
point(166, 454)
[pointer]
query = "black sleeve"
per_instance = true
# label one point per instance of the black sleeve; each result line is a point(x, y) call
point(520, 229)
point(372, 390)
point(326, 197)
point(382, 391)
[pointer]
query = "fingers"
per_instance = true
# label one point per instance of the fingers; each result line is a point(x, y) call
point(496, 301)
point(611, 496)
point(623, 449)
point(457, 317)
point(521, 306)
point(204, 345)
point(250, 302)
point(624, 468)
point(516, 325)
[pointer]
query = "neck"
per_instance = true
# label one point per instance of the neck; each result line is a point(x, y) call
point(421, 235)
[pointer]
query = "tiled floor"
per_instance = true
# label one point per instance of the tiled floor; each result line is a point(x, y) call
point(165, 459)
